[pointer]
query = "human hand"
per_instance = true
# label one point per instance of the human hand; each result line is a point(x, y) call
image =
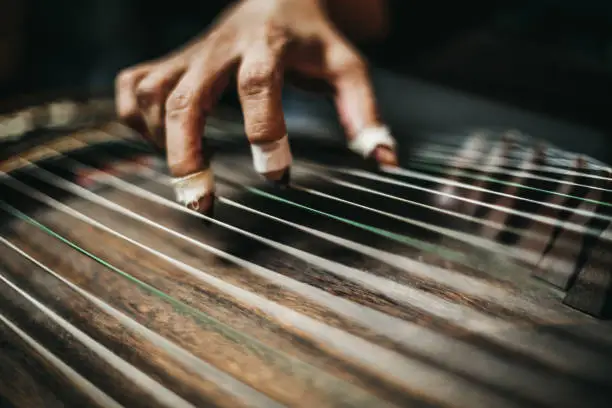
point(259, 40)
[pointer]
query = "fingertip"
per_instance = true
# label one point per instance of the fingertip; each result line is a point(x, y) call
point(125, 97)
point(375, 142)
point(385, 156)
point(273, 160)
point(196, 191)
point(279, 178)
point(205, 206)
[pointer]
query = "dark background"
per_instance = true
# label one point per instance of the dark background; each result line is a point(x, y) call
point(546, 56)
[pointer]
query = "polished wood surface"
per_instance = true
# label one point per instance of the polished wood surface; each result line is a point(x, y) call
point(355, 287)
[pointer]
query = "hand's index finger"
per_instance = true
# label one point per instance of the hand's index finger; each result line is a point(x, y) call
point(186, 110)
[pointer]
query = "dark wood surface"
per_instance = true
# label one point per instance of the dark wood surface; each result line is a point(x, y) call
point(110, 295)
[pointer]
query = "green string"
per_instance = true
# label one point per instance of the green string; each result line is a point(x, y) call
point(447, 253)
point(15, 212)
point(237, 337)
point(440, 170)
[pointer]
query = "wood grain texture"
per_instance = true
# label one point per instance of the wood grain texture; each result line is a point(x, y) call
point(297, 297)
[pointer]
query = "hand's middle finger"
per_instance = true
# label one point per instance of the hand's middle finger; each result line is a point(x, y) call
point(260, 81)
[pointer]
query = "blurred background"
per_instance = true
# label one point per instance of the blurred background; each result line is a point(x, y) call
point(547, 56)
point(72, 43)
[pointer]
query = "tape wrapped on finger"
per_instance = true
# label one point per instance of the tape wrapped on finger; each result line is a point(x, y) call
point(191, 189)
point(272, 156)
point(369, 139)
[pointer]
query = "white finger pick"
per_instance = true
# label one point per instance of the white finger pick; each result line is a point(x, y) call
point(272, 156)
point(192, 188)
point(370, 138)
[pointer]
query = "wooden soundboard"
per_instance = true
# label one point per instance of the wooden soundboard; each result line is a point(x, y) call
point(439, 284)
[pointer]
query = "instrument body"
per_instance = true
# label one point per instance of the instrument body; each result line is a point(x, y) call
point(354, 287)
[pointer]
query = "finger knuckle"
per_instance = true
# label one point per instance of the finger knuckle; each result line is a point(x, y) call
point(276, 36)
point(145, 97)
point(127, 78)
point(149, 91)
point(126, 113)
point(124, 110)
point(179, 102)
point(258, 130)
point(257, 80)
point(264, 131)
point(353, 64)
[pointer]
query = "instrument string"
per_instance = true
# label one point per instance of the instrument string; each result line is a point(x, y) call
point(83, 384)
point(194, 364)
point(135, 190)
point(421, 334)
point(539, 218)
point(455, 214)
point(449, 254)
point(287, 363)
point(161, 393)
point(444, 231)
point(444, 181)
point(532, 260)
point(494, 330)
point(469, 239)
point(563, 243)
point(441, 170)
point(445, 158)
point(441, 180)
point(516, 152)
point(152, 174)
point(400, 238)
point(166, 180)
point(380, 317)
point(483, 137)
point(143, 193)
point(461, 165)
point(520, 378)
point(519, 254)
point(421, 301)
point(463, 283)
point(483, 263)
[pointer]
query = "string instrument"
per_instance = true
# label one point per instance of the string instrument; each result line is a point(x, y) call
point(475, 275)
